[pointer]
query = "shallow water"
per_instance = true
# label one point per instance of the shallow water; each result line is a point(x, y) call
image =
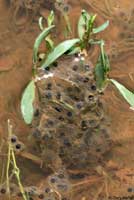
point(15, 71)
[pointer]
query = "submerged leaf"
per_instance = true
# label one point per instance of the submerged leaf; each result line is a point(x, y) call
point(107, 63)
point(49, 43)
point(41, 23)
point(38, 41)
point(74, 50)
point(101, 69)
point(90, 24)
point(127, 94)
point(99, 73)
point(101, 28)
point(82, 24)
point(58, 51)
point(50, 18)
point(27, 102)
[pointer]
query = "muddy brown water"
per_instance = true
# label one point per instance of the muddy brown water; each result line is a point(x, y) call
point(15, 71)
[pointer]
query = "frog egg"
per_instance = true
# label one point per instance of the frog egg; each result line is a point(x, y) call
point(36, 112)
point(13, 139)
point(3, 190)
point(31, 190)
point(41, 196)
point(19, 147)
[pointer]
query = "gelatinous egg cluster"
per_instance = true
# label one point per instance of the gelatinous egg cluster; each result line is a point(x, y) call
point(30, 192)
point(69, 125)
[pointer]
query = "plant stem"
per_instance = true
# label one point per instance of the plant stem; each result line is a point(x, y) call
point(8, 158)
point(17, 174)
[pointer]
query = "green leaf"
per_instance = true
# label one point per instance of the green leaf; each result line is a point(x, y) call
point(127, 94)
point(107, 63)
point(102, 68)
point(50, 18)
point(82, 23)
point(74, 50)
point(58, 51)
point(101, 28)
point(100, 73)
point(27, 102)
point(90, 24)
point(41, 23)
point(49, 43)
point(38, 41)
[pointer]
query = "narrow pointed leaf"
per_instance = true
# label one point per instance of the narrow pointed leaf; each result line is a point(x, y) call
point(50, 18)
point(107, 63)
point(99, 73)
point(49, 43)
point(38, 41)
point(58, 51)
point(27, 102)
point(91, 23)
point(41, 23)
point(127, 94)
point(82, 23)
point(101, 28)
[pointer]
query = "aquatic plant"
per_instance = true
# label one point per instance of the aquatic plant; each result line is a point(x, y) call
point(12, 165)
point(86, 32)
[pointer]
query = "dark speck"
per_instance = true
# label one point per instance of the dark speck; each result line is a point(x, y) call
point(86, 79)
point(130, 190)
point(41, 196)
point(47, 190)
point(79, 105)
point(83, 125)
point(55, 64)
point(61, 118)
point(3, 191)
point(50, 122)
point(98, 150)
point(93, 87)
point(66, 8)
point(75, 68)
point(58, 95)
point(13, 139)
point(61, 176)
point(36, 134)
point(58, 109)
point(53, 180)
point(48, 95)
point(66, 142)
point(69, 114)
point(90, 97)
point(49, 86)
point(36, 113)
point(47, 68)
point(18, 146)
